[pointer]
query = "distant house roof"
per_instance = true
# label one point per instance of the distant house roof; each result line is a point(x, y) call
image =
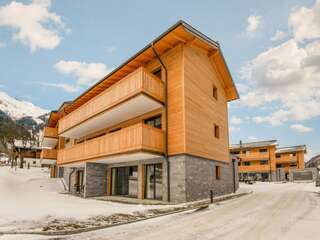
point(292, 149)
point(254, 144)
point(181, 32)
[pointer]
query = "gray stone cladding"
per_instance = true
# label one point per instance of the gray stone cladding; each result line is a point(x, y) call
point(192, 178)
point(95, 179)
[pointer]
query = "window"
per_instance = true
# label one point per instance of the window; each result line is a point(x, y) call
point(218, 172)
point(215, 92)
point(278, 156)
point(263, 150)
point(279, 165)
point(154, 121)
point(293, 165)
point(216, 131)
point(246, 163)
point(247, 152)
point(235, 152)
point(292, 154)
point(157, 72)
point(264, 162)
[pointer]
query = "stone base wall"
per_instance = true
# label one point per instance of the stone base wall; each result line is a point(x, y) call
point(95, 180)
point(192, 178)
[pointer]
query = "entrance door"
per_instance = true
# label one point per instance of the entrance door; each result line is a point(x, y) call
point(153, 181)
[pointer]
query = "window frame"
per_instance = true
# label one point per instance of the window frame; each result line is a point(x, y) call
point(216, 131)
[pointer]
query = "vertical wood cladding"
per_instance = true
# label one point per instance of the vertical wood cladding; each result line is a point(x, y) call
point(202, 110)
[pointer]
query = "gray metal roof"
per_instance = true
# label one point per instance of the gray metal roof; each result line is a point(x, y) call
point(292, 149)
point(254, 144)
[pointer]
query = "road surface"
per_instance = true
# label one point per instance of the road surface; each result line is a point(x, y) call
point(273, 211)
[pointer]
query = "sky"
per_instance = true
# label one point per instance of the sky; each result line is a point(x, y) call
point(51, 51)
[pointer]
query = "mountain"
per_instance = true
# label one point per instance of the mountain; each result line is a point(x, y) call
point(22, 113)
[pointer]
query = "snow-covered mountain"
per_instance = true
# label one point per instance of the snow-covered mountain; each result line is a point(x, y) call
point(23, 113)
point(18, 109)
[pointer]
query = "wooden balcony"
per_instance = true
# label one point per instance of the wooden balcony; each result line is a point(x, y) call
point(132, 143)
point(254, 168)
point(255, 156)
point(286, 159)
point(50, 137)
point(48, 154)
point(138, 93)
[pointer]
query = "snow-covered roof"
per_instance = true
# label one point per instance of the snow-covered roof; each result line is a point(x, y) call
point(254, 144)
point(292, 149)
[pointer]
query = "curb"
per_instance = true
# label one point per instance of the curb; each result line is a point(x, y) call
point(82, 230)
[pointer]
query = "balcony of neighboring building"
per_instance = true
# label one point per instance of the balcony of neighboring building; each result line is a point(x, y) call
point(254, 156)
point(48, 156)
point(136, 142)
point(136, 94)
point(50, 137)
point(254, 168)
point(286, 159)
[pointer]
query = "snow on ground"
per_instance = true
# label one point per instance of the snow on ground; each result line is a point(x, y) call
point(28, 198)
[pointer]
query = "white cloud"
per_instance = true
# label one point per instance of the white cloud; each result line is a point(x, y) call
point(300, 128)
point(32, 24)
point(234, 129)
point(111, 49)
point(85, 73)
point(278, 36)
point(254, 21)
point(65, 87)
point(305, 22)
point(286, 76)
point(2, 44)
point(236, 120)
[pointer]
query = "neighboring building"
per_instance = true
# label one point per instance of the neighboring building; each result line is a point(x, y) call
point(290, 158)
point(154, 128)
point(257, 159)
point(264, 161)
point(30, 154)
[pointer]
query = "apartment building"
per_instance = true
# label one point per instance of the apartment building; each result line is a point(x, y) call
point(256, 159)
point(154, 128)
point(264, 161)
point(289, 158)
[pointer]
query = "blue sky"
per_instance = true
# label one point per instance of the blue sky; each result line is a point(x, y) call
point(51, 51)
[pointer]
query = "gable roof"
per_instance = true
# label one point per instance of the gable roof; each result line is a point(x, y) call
point(254, 144)
point(181, 32)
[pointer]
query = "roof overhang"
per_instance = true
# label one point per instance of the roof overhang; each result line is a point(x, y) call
point(180, 32)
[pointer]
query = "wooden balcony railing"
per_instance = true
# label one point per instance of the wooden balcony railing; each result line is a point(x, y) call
point(254, 156)
point(286, 159)
point(139, 81)
point(254, 168)
point(131, 139)
point(48, 154)
point(50, 132)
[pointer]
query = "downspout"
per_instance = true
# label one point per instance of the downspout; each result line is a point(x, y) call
point(166, 118)
point(73, 170)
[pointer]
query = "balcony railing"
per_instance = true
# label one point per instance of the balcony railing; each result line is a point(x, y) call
point(48, 154)
point(254, 156)
point(138, 82)
point(286, 159)
point(139, 137)
point(254, 168)
point(49, 132)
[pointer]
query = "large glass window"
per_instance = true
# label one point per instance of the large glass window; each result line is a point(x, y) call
point(153, 181)
point(125, 181)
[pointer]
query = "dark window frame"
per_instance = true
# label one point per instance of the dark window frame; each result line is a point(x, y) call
point(216, 131)
point(214, 92)
point(218, 172)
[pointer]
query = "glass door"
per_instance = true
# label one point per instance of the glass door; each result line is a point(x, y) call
point(153, 181)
